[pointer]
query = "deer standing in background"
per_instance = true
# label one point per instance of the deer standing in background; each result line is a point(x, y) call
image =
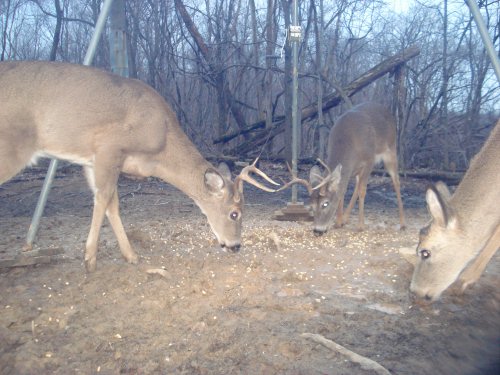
point(360, 138)
point(464, 232)
point(109, 124)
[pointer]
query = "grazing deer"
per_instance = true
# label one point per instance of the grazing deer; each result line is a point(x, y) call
point(109, 124)
point(464, 232)
point(361, 138)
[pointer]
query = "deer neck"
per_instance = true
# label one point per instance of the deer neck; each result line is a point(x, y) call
point(178, 163)
point(476, 211)
point(185, 170)
point(475, 200)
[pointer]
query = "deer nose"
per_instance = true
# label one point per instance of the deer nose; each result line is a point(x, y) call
point(318, 232)
point(234, 248)
point(420, 299)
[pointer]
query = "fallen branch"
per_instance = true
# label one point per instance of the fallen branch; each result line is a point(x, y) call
point(365, 363)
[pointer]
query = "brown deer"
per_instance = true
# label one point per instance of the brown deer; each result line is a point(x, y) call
point(464, 232)
point(109, 124)
point(360, 138)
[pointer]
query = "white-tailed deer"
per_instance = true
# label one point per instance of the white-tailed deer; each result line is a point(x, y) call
point(110, 124)
point(360, 138)
point(464, 232)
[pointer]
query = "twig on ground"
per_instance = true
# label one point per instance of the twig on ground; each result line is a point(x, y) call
point(366, 363)
point(159, 271)
point(132, 193)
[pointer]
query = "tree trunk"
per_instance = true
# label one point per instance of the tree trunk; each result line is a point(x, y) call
point(214, 65)
point(57, 31)
point(268, 80)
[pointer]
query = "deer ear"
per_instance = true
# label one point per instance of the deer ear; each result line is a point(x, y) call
point(334, 179)
point(438, 205)
point(315, 177)
point(224, 170)
point(214, 182)
point(443, 190)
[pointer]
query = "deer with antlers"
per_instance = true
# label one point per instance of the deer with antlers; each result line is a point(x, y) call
point(361, 138)
point(109, 124)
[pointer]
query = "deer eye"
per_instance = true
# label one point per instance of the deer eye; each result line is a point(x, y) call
point(234, 215)
point(425, 254)
point(325, 204)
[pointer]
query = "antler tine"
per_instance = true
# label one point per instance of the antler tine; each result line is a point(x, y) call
point(245, 176)
point(324, 165)
point(261, 174)
point(328, 178)
point(296, 180)
point(322, 183)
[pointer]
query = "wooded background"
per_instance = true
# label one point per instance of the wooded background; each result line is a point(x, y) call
point(221, 65)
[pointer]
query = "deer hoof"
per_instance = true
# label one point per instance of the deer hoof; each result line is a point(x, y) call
point(132, 259)
point(90, 265)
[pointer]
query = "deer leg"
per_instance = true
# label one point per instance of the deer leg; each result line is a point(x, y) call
point(339, 213)
point(113, 215)
point(363, 181)
point(102, 179)
point(352, 202)
point(391, 165)
point(474, 271)
point(101, 200)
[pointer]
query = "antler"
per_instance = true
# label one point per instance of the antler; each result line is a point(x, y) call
point(296, 180)
point(322, 183)
point(245, 176)
point(324, 165)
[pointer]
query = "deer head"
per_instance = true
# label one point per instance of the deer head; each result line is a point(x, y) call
point(324, 197)
point(464, 232)
point(225, 218)
point(323, 194)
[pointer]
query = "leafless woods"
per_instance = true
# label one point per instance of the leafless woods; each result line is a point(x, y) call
point(222, 64)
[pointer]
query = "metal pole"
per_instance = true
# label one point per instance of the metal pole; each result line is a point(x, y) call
point(294, 211)
point(485, 36)
point(295, 90)
point(49, 177)
point(101, 22)
point(42, 200)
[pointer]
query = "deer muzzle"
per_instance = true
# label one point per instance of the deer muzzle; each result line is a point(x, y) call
point(234, 248)
point(319, 232)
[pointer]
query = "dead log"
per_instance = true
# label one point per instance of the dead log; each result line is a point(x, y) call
point(450, 178)
point(331, 100)
point(28, 258)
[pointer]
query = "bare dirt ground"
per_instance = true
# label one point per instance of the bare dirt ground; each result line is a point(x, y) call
point(213, 312)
